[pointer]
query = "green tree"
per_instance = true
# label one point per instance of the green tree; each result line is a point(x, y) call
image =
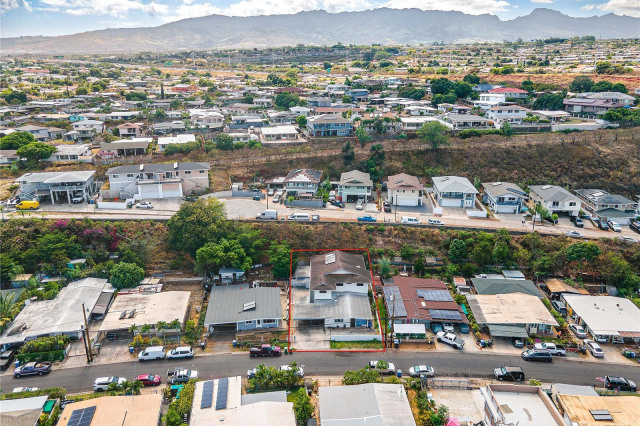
point(548, 102)
point(81, 91)
point(583, 251)
point(406, 252)
point(126, 275)
point(441, 86)
point(602, 86)
point(346, 99)
point(581, 84)
point(36, 151)
point(507, 129)
point(348, 153)
point(359, 377)
point(463, 89)
point(362, 135)
point(224, 142)
point(286, 100)
point(280, 258)
point(197, 223)
point(16, 140)
point(135, 96)
point(471, 79)
point(435, 134)
point(13, 96)
point(457, 250)
point(301, 121)
point(385, 267)
point(7, 268)
point(619, 87)
point(618, 272)
point(302, 407)
point(227, 253)
point(419, 266)
point(482, 253)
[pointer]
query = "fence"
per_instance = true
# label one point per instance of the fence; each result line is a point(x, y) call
point(247, 194)
point(356, 337)
point(312, 204)
point(450, 383)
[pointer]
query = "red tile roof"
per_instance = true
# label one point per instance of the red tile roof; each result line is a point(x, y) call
point(507, 90)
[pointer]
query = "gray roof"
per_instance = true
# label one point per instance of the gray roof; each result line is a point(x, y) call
point(124, 145)
point(346, 305)
point(252, 398)
point(304, 175)
point(498, 189)
point(506, 286)
point(355, 177)
point(226, 304)
point(567, 389)
point(552, 193)
point(404, 181)
point(337, 267)
point(11, 405)
point(328, 118)
point(57, 177)
point(603, 197)
point(158, 167)
point(378, 404)
point(453, 184)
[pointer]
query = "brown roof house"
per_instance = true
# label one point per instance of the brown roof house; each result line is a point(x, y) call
point(404, 190)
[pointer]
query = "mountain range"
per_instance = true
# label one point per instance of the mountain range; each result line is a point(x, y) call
point(382, 26)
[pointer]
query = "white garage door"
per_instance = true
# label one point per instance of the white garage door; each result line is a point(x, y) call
point(170, 190)
point(407, 201)
point(149, 191)
point(507, 209)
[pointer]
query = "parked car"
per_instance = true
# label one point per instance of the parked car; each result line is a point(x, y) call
point(450, 339)
point(367, 218)
point(332, 195)
point(77, 200)
point(552, 348)
point(517, 342)
point(24, 389)
point(270, 192)
point(31, 368)
point(436, 222)
point(509, 373)
point(299, 371)
point(180, 352)
point(265, 350)
point(537, 355)
point(299, 216)
point(578, 331)
point(360, 204)
point(386, 206)
point(620, 383)
point(276, 198)
point(573, 234)
point(27, 205)
point(559, 306)
point(594, 348)
point(6, 358)
point(180, 375)
point(422, 370)
point(144, 205)
point(383, 367)
point(315, 218)
point(603, 225)
point(635, 225)
point(577, 222)
point(101, 384)
point(148, 379)
point(448, 327)
point(336, 203)
point(269, 214)
point(615, 227)
point(152, 352)
point(410, 220)
point(626, 239)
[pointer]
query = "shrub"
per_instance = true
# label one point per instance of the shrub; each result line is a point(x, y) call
point(180, 407)
point(54, 393)
point(126, 275)
point(358, 377)
point(45, 344)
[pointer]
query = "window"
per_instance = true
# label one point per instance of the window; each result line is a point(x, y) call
point(338, 320)
point(323, 291)
point(248, 322)
point(572, 203)
point(130, 175)
point(114, 176)
point(339, 285)
point(268, 321)
point(187, 172)
point(360, 285)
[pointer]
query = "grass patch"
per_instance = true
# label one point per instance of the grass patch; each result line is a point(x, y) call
point(382, 309)
point(367, 344)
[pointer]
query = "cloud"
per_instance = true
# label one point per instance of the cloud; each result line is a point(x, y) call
point(622, 7)
point(588, 7)
point(116, 8)
point(7, 5)
point(542, 1)
point(471, 7)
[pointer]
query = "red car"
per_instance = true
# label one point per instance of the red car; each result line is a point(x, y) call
point(149, 379)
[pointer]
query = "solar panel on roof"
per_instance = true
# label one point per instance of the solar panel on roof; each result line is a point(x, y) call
point(207, 394)
point(435, 295)
point(397, 309)
point(82, 417)
point(221, 398)
point(442, 314)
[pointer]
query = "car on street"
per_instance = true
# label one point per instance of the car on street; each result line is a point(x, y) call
point(367, 218)
point(410, 220)
point(594, 348)
point(299, 370)
point(6, 358)
point(421, 370)
point(180, 352)
point(626, 239)
point(337, 203)
point(619, 383)
point(386, 206)
point(360, 204)
point(144, 205)
point(436, 222)
point(552, 348)
point(148, 379)
point(573, 234)
point(615, 227)
point(101, 384)
point(578, 330)
point(537, 355)
point(24, 389)
point(509, 373)
point(32, 368)
point(181, 375)
point(265, 350)
point(603, 225)
point(315, 218)
point(383, 367)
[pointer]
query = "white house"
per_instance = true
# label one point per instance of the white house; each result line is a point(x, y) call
point(262, 102)
point(98, 126)
point(353, 185)
point(302, 181)
point(555, 199)
point(178, 139)
point(130, 130)
point(279, 134)
point(618, 97)
point(464, 121)
point(506, 113)
point(80, 153)
point(503, 197)
point(510, 92)
point(404, 190)
point(412, 124)
point(420, 110)
point(300, 110)
point(487, 100)
point(208, 119)
point(454, 191)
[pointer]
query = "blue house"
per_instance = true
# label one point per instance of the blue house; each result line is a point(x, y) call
point(74, 117)
point(329, 125)
point(503, 197)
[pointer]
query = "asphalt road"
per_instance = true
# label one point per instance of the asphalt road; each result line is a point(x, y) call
point(446, 364)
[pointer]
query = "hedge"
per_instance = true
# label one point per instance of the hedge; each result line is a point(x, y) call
point(54, 393)
point(179, 407)
point(41, 356)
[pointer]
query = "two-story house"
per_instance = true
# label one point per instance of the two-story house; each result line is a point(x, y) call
point(176, 126)
point(488, 100)
point(206, 119)
point(464, 121)
point(158, 180)
point(355, 185)
point(57, 186)
point(412, 124)
point(503, 197)
point(130, 130)
point(81, 153)
point(319, 101)
point(329, 125)
point(617, 97)
point(589, 106)
point(245, 121)
point(40, 133)
point(300, 111)
point(173, 140)
point(510, 92)
point(454, 191)
point(404, 190)
point(555, 199)
point(608, 206)
point(302, 181)
point(506, 113)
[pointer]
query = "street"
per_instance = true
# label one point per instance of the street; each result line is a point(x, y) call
point(446, 364)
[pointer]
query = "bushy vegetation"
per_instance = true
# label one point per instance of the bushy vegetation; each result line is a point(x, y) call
point(53, 393)
point(271, 378)
point(180, 408)
point(359, 377)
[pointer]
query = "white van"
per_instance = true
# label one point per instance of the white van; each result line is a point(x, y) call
point(180, 352)
point(152, 352)
point(299, 216)
point(268, 215)
point(410, 220)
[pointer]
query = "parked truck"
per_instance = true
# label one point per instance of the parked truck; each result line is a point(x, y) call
point(265, 350)
point(552, 348)
point(180, 375)
point(450, 339)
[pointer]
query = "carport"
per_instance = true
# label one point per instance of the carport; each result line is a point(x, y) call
point(508, 331)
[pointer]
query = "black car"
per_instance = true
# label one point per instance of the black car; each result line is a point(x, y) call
point(509, 373)
point(6, 358)
point(337, 203)
point(387, 206)
point(560, 307)
point(537, 355)
point(603, 225)
point(617, 382)
point(577, 222)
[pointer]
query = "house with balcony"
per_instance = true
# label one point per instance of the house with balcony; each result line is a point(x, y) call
point(302, 181)
point(245, 121)
point(329, 125)
point(98, 126)
point(81, 153)
point(555, 199)
point(412, 124)
point(503, 197)
point(404, 190)
point(40, 133)
point(589, 106)
point(206, 119)
point(319, 101)
point(608, 206)
point(488, 100)
point(513, 114)
point(158, 180)
point(262, 102)
point(618, 97)
point(124, 148)
point(454, 191)
point(278, 134)
point(177, 139)
point(57, 186)
point(464, 121)
point(300, 111)
point(130, 130)
point(510, 92)
point(355, 185)
point(281, 117)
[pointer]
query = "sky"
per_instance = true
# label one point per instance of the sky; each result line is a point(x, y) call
point(57, 17)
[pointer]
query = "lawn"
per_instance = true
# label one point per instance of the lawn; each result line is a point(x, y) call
point(367, 344)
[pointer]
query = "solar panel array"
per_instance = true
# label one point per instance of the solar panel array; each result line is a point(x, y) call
point(442, 314)
point(207, 394)
point(82, 417)
point(221, 398)
point(435, 295)
point(398, 309)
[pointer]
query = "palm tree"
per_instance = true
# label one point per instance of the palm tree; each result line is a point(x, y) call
point(6, 303)
point(146, 328)
point(162, 326)
point(134, 387)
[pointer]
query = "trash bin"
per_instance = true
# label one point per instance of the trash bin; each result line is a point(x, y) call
point(16, 364)
point(482, 343)
point(286, 352)
point(131, 349)
point(235, 343)
point(396, 343)
point(399, 373)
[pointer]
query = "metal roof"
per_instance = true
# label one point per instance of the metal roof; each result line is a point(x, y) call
point(507, 331)
point(227, 304)
point(57, 177)
point(157, 167)
point(505, 286)
point(605, 315)
point(347, 305)
point(453, 184)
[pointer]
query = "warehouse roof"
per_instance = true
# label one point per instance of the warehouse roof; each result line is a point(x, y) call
point(145, 308)
point(234, 303)
point(606, 315)
point(514, 308)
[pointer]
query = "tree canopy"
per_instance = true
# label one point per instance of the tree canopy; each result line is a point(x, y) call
point(435, 134)
point(197, 223)
point(16, 140)
point(227, 253)
point(126, 275)
point(36, 151)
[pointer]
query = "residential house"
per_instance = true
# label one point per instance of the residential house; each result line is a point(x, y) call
point(329, 125)
point(55, 132)
point(594, 410)
point(336, 89)
point(506, 113)
point(177, 139)
point(413, 124)
point(132, 130)
point(40, 133)
point(300, 111)
point(302, 181)
point(123, 115)
point(315, 102)
point(503, 197)
point(123, 148)
point(357, 95)
point(454, 191)
point(243, 307)
point(589, 106)
point(281, 117)
point(404, 190)
point(206, 119)
point(125, 410)
point(55, 185)
point(464, 121)
point(97, 125)
point(552, 116)
point(176, 126)
point(8, 156)
point(245, 121)
point(521, 405)
point(81, 153)
point(174, 115)
point(158, 180)
point(505, 286)
point(242, 137)
point(484, 88)
point(420, 110)
point(605, 317)
point(608, 206)
point(510, 92)
point(279, 134)
point(616, 97)
point(555, 199)
point(488, 100)
point(355, 185)
point(24, 411)
point(262, 102)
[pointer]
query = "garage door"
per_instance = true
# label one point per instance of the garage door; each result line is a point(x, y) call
point(507, 209)
point(170, 190)
point(407, 201)
point(149, 191)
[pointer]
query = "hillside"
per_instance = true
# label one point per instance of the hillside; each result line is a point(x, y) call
point(382, 26)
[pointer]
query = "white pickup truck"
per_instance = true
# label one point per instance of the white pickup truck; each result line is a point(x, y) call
point(450, 339)
point(552, 348)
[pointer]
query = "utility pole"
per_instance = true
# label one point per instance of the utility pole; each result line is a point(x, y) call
point(88, 341)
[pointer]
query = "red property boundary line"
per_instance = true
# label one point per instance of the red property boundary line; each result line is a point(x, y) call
point(375, 298)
